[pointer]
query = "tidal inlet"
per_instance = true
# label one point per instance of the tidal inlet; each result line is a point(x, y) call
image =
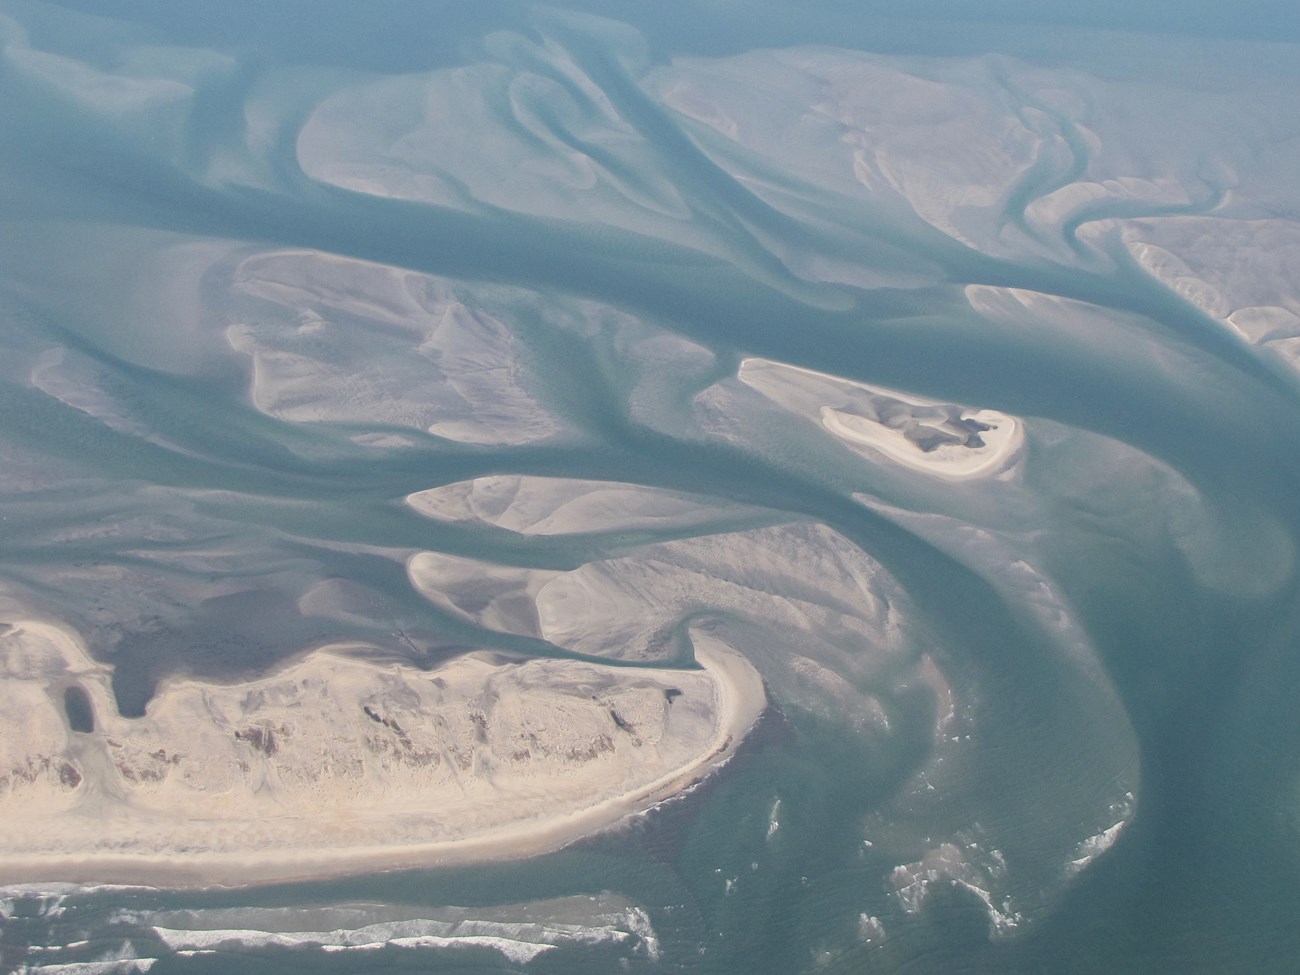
point(689, 488)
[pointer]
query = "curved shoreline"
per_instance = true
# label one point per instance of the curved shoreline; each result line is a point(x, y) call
point(737, 700)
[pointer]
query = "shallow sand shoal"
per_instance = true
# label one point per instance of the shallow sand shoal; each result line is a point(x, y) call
point(537, 505)
point(338, 765)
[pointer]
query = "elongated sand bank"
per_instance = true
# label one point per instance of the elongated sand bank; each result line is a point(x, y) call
point(535, 505)
point(337, 764)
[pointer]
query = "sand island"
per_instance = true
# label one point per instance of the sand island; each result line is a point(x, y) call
point(946, 440)
point(339, 764)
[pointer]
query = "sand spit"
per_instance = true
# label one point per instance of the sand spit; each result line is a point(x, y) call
point(336, 765)
point(950, 441)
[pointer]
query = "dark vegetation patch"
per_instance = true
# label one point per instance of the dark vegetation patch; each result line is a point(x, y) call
point(263, 739)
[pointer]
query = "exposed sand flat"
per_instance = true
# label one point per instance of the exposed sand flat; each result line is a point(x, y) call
point(1002, 155)
point(336, 764)
point(1222, 265)
point(337, 339)
point(536, 135)
point(500, 597)
point(949, 441)
point(867, 127)
point(1242, 272)
point(1049, 213)
point(826, 625)
point(520, 120)
point(803, 578)
point(533, 505)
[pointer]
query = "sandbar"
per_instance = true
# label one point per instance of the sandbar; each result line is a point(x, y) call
point(536, 505)
point(947, 440)
point(338, 764)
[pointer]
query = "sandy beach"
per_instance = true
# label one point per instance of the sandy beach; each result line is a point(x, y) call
point(337, 764)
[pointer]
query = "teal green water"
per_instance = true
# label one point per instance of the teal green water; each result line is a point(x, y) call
point(1117, 623)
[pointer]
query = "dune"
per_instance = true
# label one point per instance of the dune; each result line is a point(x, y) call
point(337, 764)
